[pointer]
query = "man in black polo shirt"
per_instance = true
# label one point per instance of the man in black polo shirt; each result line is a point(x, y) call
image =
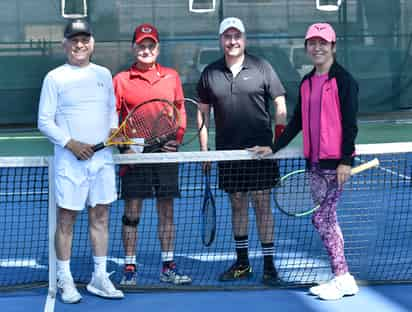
point(241, 88)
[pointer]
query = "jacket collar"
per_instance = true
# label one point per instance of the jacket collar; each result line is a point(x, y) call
point(134, 72)
point(333, 71)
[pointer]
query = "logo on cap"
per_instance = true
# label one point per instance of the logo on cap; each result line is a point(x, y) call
point(146, 30)
point(320, 28)
point(231, 22)
point(78, 25)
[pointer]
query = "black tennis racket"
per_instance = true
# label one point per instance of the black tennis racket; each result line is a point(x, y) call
point(295, 197)
point(208, 214)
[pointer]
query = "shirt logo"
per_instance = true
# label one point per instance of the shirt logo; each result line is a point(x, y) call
point(246, 78)
point(100, 84)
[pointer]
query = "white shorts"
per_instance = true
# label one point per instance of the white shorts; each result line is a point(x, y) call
point(84, 183)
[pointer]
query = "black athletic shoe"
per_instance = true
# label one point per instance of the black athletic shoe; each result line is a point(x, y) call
point(236, 272)
point(271, 278)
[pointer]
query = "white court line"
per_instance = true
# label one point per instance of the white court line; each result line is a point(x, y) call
point(28, 263)
point(395, 173)
point(203, 257)
point(392, 172)
point(16, 138)
point(22, 193)
point(299, 258)
point(50, 302)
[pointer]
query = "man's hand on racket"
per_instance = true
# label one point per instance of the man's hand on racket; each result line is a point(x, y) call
point(118, 138)
point(261, 151)
point(343, 173)
point(170, 146)
point(82, 151)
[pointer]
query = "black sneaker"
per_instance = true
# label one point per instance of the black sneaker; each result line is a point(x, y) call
point(271, 278)
point(236, 272)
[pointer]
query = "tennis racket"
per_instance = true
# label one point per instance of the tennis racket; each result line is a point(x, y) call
point(295, 197)
point(151, 124)
point(208, 215)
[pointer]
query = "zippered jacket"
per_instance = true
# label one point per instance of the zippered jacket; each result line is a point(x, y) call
point(338, 125)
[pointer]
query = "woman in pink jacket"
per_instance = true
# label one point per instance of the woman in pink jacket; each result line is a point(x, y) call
point(326, 115)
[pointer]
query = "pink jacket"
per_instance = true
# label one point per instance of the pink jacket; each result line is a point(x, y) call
point(330, 120)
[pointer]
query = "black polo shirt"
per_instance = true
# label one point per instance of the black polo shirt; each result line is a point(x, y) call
point(241, 104)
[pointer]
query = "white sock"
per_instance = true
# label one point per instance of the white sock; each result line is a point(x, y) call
point(343, 277)
point(167, 256)
point(130, 260)
point(63, 268)
point(99, 265)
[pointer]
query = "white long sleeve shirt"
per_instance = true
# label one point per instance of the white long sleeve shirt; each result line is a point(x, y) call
point(77, 103)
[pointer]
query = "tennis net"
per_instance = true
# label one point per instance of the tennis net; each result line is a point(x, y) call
point(374, 213)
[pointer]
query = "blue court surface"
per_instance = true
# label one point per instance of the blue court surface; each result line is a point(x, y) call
point(379, 298)
point(375, 220)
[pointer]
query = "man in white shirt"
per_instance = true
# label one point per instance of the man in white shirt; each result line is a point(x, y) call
point(76, 111)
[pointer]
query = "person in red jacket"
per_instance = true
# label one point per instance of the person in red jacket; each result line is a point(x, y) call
point(144, 80)
point(326, 114)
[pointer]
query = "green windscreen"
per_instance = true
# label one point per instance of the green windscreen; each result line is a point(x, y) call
point(374, 44)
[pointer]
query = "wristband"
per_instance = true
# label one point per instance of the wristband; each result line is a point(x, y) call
point(279, 130)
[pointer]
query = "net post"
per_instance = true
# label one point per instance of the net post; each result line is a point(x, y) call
point(51, 295)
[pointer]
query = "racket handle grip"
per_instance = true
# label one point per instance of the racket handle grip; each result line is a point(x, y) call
point(98, 147)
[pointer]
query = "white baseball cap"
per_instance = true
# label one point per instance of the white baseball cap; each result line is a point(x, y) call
point(231, 22)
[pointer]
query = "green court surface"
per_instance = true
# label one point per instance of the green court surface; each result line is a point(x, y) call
point(32, 143)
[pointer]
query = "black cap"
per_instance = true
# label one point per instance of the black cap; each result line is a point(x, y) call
point(77, 27)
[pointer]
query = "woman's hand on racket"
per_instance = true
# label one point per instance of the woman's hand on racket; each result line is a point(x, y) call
point(82, 151)
point(343, 173)
point(261, 151)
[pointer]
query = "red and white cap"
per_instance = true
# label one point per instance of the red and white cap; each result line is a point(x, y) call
point(144, 31)
point(321, 30)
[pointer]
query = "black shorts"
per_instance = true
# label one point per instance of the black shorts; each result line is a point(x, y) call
point(248, 175)
point(148, 181)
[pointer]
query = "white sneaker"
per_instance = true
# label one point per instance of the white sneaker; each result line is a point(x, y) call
point(316, 290)
point(67, 289)
point(171, 275)
point(102, 286)
point(337, 288)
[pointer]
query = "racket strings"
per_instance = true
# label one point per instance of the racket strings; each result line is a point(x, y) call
point(194, 121)
point(166, 124)
point(208, 214)
point(151, 121)
point(158, 121)
point(139, 126)
point(295, 194)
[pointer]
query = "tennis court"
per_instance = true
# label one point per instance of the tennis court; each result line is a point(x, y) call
point(374, 215)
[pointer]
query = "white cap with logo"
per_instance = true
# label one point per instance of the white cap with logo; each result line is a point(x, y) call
point(231, 22)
